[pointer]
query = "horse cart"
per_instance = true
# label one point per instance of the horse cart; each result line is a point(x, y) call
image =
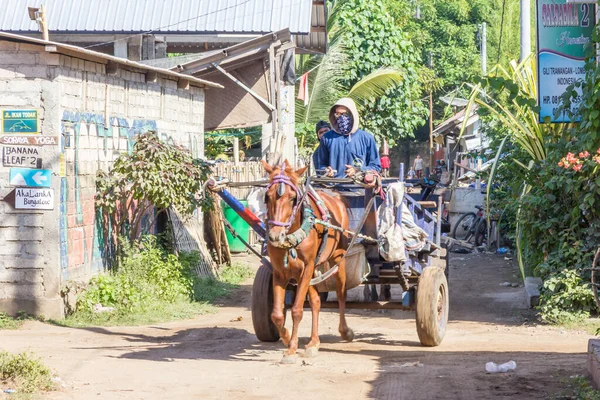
point(416, 282)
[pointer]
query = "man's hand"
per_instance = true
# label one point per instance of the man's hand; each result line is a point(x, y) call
point(329, 172)
point(350, 171)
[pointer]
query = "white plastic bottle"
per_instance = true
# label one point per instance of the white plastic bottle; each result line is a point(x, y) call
point(508, 366)
point(493, 368)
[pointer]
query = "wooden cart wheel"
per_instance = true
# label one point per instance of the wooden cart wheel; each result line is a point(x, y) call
point(262, 305)
point(596, 277)
point(432, 306)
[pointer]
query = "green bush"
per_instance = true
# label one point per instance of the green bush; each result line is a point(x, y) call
point(565, 298)
point(146, 272)
point(26, 373)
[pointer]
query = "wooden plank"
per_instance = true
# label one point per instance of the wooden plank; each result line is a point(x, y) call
point(451, 241)
point(427, 204)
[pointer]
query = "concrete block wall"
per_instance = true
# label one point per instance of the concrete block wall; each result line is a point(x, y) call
point(29, 277)
point(96, 116)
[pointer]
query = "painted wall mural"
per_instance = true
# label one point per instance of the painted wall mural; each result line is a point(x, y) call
point(89, 142)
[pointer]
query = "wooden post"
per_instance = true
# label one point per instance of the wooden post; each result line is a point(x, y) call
point(273, 99)
point(478, 180)
point(236, 151)
point(438, 225)
point(44, 24)
point(430, 132)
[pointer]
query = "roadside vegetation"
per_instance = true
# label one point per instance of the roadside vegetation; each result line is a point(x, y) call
point(545, 184)
point(8, 322)
point(151, 285)
point(23, 374)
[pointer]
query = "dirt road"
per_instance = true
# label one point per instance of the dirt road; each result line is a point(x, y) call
point(217, 356)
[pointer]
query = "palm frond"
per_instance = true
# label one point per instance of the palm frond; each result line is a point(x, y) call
point(375, 84)
point(324, 85)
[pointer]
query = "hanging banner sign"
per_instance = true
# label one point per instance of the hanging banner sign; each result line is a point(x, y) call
point(20, 121)
point(564, 34)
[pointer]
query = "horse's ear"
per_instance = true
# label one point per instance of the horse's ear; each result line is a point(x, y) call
point(301, 171)
point(267, 167)
point(286, 164)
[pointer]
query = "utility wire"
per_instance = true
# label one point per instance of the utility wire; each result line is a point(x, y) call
point(168, 26)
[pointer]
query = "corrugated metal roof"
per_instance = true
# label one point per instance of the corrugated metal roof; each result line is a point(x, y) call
point(161, 16)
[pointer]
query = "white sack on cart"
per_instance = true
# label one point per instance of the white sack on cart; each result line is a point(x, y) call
point(256, 202)
point(393, 238)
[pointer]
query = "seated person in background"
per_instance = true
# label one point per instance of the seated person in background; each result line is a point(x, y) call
point(411, 174)
point(321, 128)
point(346, 149)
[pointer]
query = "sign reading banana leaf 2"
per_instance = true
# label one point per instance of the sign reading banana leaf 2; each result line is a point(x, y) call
point(564, 36)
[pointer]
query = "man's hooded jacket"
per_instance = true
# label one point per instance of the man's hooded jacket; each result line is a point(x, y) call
point(357, 148)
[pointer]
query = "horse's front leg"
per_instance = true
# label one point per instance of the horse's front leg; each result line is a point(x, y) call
point(289, 356)
point(278, 313)
point(312, 348)
point(345, 331)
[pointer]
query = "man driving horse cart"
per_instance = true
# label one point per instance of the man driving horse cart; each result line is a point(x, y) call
point(364, 232)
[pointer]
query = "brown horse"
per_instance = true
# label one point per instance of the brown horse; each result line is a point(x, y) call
point(285, 214)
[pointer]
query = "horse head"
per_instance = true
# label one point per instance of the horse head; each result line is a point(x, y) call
point(282, 199)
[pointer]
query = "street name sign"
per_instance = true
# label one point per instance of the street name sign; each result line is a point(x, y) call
point(20, 121)
point(34, 199)
point(30, 177)
point(564, 34)
point(21, 156)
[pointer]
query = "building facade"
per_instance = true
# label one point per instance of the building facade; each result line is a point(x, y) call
point(66, 113)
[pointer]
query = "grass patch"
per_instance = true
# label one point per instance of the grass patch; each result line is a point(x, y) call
point(154, 312)
point(211, 289)
point(24, 373)
point(590, 326)
point(152, 286)
point(578, 388)
point(8, 322)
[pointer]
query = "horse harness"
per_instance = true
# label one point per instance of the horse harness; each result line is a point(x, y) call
point(293, 240)
point(309, 220)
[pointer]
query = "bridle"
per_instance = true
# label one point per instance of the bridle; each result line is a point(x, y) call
point(282, 180)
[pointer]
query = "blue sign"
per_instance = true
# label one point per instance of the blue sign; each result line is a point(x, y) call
point(20, 121)
point(30, 177)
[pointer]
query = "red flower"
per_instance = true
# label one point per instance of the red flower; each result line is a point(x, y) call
point(585, 154)
point(577, 167)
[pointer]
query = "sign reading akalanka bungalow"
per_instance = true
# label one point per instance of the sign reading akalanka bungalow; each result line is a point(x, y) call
point(564, 34)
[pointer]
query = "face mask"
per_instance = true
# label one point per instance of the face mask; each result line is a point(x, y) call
point(344, 123)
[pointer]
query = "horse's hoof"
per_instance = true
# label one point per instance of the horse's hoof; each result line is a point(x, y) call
point(289, 359)
point(348, 336)
point(311, 351)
